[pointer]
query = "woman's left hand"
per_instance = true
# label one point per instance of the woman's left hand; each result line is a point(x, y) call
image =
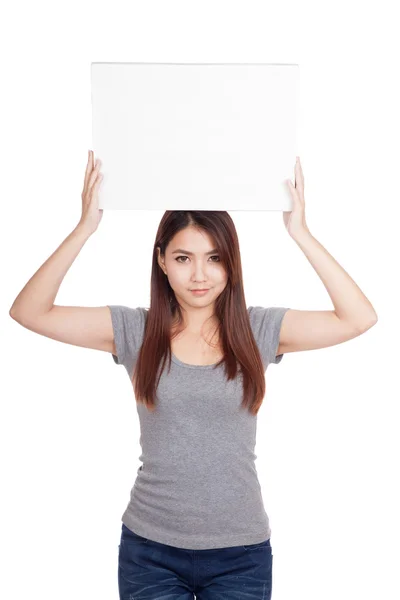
point(295, 219)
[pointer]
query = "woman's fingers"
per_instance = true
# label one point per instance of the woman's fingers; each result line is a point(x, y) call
point(91, 214)
point(92, 170)
point(93, 176)
point(96, 184)
point(89, 168)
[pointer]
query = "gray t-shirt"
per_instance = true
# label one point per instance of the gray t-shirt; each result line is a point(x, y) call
point(198, 486)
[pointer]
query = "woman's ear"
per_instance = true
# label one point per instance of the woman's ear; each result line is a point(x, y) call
point(160, 260)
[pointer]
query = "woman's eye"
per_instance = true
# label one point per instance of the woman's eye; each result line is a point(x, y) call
point(184, 261)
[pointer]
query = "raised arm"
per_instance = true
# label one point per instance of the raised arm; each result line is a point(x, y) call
point(34, 306)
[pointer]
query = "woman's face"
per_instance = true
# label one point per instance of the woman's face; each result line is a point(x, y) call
point(191, 262)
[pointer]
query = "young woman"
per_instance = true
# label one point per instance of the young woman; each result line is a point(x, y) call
point(195, 523)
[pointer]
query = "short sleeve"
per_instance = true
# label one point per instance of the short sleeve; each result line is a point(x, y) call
point(266, 325)
point(128, 326)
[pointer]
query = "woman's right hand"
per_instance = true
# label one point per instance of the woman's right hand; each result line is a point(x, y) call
point(91, 213)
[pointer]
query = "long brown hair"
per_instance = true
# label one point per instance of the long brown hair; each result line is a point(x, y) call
point(240, 350)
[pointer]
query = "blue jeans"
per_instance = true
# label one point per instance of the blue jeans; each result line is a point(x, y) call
point(149, 570)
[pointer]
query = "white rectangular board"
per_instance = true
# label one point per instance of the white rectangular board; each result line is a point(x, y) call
point(195, 136)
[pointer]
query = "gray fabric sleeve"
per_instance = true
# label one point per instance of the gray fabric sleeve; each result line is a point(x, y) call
point(128, 327)
point(266, 324)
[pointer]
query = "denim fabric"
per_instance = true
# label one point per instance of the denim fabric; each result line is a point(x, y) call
point(149, 570)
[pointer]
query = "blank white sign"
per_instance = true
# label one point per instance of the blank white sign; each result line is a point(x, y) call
point(195, 136)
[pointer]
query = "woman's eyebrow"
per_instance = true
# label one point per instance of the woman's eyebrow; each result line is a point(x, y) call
point(191, 253)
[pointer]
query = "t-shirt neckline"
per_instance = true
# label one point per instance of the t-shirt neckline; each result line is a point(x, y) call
point(176, 360)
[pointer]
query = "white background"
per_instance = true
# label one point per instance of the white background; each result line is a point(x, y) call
point(328, 429)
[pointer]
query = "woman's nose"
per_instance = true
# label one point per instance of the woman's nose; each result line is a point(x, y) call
point(199, 271)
